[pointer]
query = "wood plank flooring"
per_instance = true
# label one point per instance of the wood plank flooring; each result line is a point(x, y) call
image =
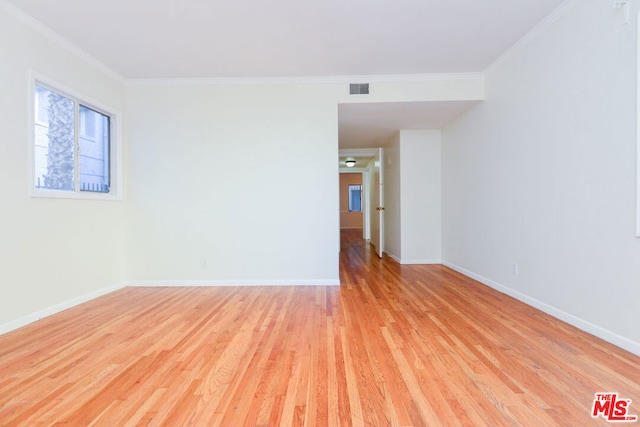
point(394, 345)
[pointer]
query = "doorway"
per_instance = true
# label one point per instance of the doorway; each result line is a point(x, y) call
point(368, 166)
point(351, 201)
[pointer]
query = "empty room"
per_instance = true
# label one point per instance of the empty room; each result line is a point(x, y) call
point(409, 213)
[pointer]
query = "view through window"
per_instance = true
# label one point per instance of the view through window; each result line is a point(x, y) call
point(72, 144)
point(355, 198)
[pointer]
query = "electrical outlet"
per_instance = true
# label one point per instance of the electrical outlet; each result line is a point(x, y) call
point(203, 262)
point(515, 269)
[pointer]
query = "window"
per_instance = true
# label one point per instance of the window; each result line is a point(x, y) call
point(355, 198)
point(73, 146)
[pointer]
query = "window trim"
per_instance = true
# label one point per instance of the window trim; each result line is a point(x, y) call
point(115, 141)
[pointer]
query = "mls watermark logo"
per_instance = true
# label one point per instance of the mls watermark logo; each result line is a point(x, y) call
point(612, 408)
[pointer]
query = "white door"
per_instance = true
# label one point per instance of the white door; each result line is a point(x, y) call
point(377, 204)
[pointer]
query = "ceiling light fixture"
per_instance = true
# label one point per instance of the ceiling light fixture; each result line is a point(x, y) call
point(350, 163)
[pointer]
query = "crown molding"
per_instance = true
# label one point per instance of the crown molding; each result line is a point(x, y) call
point(376, 78)
point(540, 28)
point(47, 32)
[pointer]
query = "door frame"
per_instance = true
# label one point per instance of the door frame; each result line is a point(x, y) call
point(367, 191)
point(377, 194)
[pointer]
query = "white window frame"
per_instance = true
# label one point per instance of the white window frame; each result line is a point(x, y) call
point(115, 138)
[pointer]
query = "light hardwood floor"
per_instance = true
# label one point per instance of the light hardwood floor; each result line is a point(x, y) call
point(394, 345)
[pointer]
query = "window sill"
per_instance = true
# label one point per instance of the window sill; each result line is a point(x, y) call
point(57, 194)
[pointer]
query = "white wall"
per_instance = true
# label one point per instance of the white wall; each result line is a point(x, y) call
point(420, 176)
point(455, 87)
point(208, 194)
point(543, 174)
point(210, 177)
point(412, 197)
point(51, 250)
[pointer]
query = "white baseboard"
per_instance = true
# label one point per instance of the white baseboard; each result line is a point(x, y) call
point(420, 261)
point(33, 317)
point(579, 323)
point(412, 261)
point(182, 283)
point(393, 257)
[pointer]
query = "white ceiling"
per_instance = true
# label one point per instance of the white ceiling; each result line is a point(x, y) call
point(375, 124)
point(249, 38)
point(146, 39)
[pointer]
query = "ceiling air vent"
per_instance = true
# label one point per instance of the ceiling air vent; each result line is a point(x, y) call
point(359, 88)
